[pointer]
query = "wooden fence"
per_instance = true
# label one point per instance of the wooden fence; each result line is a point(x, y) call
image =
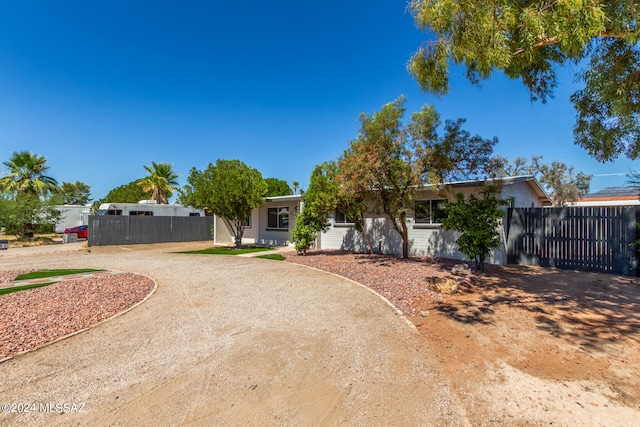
point(119, 230)
point(580, 238)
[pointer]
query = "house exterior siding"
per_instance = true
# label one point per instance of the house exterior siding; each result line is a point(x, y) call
point(424, 239)
point(259, 232)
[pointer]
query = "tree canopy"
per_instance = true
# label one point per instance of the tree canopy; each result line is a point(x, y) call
point(277, 187)
point(388, 159)
point(529, 40)
point(128, 193)
point(26, 175)
point(558, 179)
point(229, 189)
point(477, 220)
point(24, 214)
point(161, 181)
point(74, 194)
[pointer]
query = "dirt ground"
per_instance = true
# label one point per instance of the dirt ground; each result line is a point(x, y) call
point(574, 336)
point(521, 346)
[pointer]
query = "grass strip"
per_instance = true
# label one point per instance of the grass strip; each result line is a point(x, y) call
point(5, 291)
point(228, 251)
point(50, 273)
point(275, 257)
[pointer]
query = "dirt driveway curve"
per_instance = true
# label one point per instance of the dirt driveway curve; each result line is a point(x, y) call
point(230, 341)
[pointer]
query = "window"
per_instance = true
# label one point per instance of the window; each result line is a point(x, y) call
point(194, 213)
point(430, 211)
point(341, 218)
point(110, 212)
point(141, 213)
point(278, 218)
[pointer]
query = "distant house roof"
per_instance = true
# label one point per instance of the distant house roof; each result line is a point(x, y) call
point(612, 196)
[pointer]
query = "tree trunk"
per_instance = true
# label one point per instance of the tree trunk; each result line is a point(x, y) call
point(362, 228)
point(405, 238)
point(237, 234)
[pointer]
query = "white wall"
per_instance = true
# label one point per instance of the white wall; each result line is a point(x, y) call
point(71, 216)
point(258, 232)
point(424, 239)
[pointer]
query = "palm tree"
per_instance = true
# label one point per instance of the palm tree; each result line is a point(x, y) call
point(26, 175)
point(162, 181)
point(295, 185)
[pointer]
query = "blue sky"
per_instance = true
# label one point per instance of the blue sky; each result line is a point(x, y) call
point(103, 88)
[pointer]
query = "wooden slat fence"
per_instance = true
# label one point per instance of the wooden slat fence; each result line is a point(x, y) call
point(581, 238)
point(118, 230)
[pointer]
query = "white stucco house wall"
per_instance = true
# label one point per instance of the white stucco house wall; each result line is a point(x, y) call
point(426, 235)
point(271, 223)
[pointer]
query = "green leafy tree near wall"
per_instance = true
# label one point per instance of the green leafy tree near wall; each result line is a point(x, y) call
point(229, 189)
point(24, 215)
point(477, 220)
point(528, 41)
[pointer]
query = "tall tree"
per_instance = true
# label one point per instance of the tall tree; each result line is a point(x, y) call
point(383, 161)
point(277, 187)
point(388, 160)
point(162, 181)
point(528, 40)
point(26, 175)
point(74, 194)
point(295, 185)
point(229, 189)
point(557, 178)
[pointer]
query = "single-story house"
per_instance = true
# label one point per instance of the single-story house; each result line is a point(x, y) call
point(272, 222)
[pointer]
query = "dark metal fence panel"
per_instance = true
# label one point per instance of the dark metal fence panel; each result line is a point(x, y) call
point(581, 238)
point(119, 230)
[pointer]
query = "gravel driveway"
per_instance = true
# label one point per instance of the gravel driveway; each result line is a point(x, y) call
point(229, 341)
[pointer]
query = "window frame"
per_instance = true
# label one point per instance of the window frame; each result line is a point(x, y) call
point(279, 215)
point(339, 222)
point(140, 213)
point(432, 219)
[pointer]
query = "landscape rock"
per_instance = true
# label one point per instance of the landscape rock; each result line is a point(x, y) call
point(442, 285)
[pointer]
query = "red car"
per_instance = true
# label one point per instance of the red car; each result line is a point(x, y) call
point(82, 231)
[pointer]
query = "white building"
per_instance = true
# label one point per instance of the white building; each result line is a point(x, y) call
point(71, 216)
point(271, 223)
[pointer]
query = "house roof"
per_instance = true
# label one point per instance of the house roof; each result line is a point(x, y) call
point(291, 198)
point(528, 180)
point(612, 196)
point(616, 192)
